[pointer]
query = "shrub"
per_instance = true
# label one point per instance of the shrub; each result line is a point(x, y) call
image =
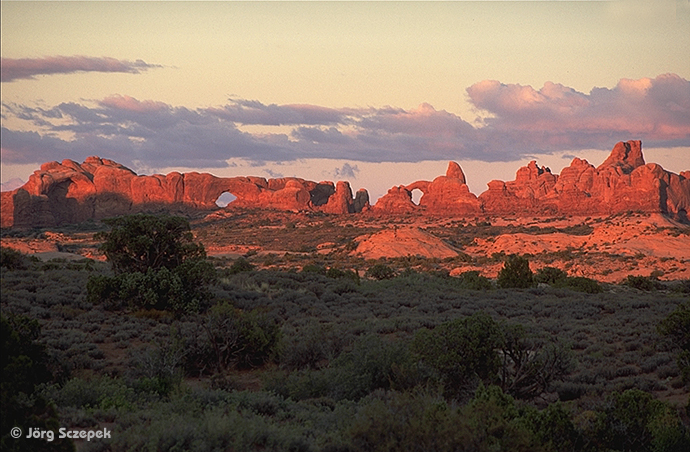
point(515, 273)
point(313, 347)
point(336, 273)
point(633, 420)
point(647, 284)
point(550, 275)
point(461, 350)
point(380, 272)
point(314, 268)
point(474, 281)
point(677, 328)
point(529, 365)
point(23, 368)
point(423, 422)
point(239, 266)
point(136, 243)
point(372, 364)
point(581, 284)
point(12, 259)
point(233, 339)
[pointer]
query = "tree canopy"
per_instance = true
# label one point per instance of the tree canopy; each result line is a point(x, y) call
point(156, 262)
point(136, 243)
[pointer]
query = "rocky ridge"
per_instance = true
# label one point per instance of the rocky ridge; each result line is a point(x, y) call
point(69, 192)
point(623, 182)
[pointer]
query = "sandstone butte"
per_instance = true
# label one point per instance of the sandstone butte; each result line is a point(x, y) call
point(68, 192)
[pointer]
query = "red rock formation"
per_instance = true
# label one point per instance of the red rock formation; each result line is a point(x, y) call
point(398, 200)
point(447, 194)
point(68, 192)
point(525, 194)
point(622, 183)
point(626, 156)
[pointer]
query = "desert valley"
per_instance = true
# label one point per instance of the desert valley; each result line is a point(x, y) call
point(624, 217)
point(547, 313)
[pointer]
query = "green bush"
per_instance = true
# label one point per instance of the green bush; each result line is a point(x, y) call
point(23, 369)
point(648, 284)
point(336, 273)
point(474, 281)
point(156, 264)
point(515, 273)
point(581, 284)
point(634, 420)
point(550, 275)
point(312, 346)
point(676, 327)
point(314, 268)
point(233, 339)
point(239, 266)
point(461, 350)
point(373, 363)
point(136, 243)
point(12, 259)
point(380, 272)
point(530, 365)
point(403, 422)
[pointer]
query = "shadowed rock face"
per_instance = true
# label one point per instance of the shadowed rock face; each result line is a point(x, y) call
point(69, 192)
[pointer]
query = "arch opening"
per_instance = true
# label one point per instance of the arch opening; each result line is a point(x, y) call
point(416, 196)
point(225, 198)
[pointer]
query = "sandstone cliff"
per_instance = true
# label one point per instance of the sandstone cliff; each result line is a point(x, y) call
point(623, 182)
point(69, 192)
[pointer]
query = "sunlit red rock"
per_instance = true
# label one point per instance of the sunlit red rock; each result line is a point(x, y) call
point(447, 194)
point(69, 192)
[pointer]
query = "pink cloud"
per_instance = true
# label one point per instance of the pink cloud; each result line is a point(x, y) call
point(423, 121)
point(131, 104)
point(525, 121)
point(656, 109)
point(244, 111)
point(27, 68)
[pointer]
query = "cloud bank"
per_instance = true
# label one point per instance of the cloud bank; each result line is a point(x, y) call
point(27, 68)
point(522, 121)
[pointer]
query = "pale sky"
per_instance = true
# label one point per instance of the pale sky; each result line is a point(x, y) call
point(377, 93)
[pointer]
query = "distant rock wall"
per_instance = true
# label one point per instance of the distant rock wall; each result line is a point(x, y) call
point(68, 192)
point(624, 182)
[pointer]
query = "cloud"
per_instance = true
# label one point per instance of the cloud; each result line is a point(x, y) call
point(346, 171)
point(557, 117)
point(522, 122)
point(252, 112)
point(28, 68)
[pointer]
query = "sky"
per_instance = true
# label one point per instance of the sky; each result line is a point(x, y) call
point(376, 93)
